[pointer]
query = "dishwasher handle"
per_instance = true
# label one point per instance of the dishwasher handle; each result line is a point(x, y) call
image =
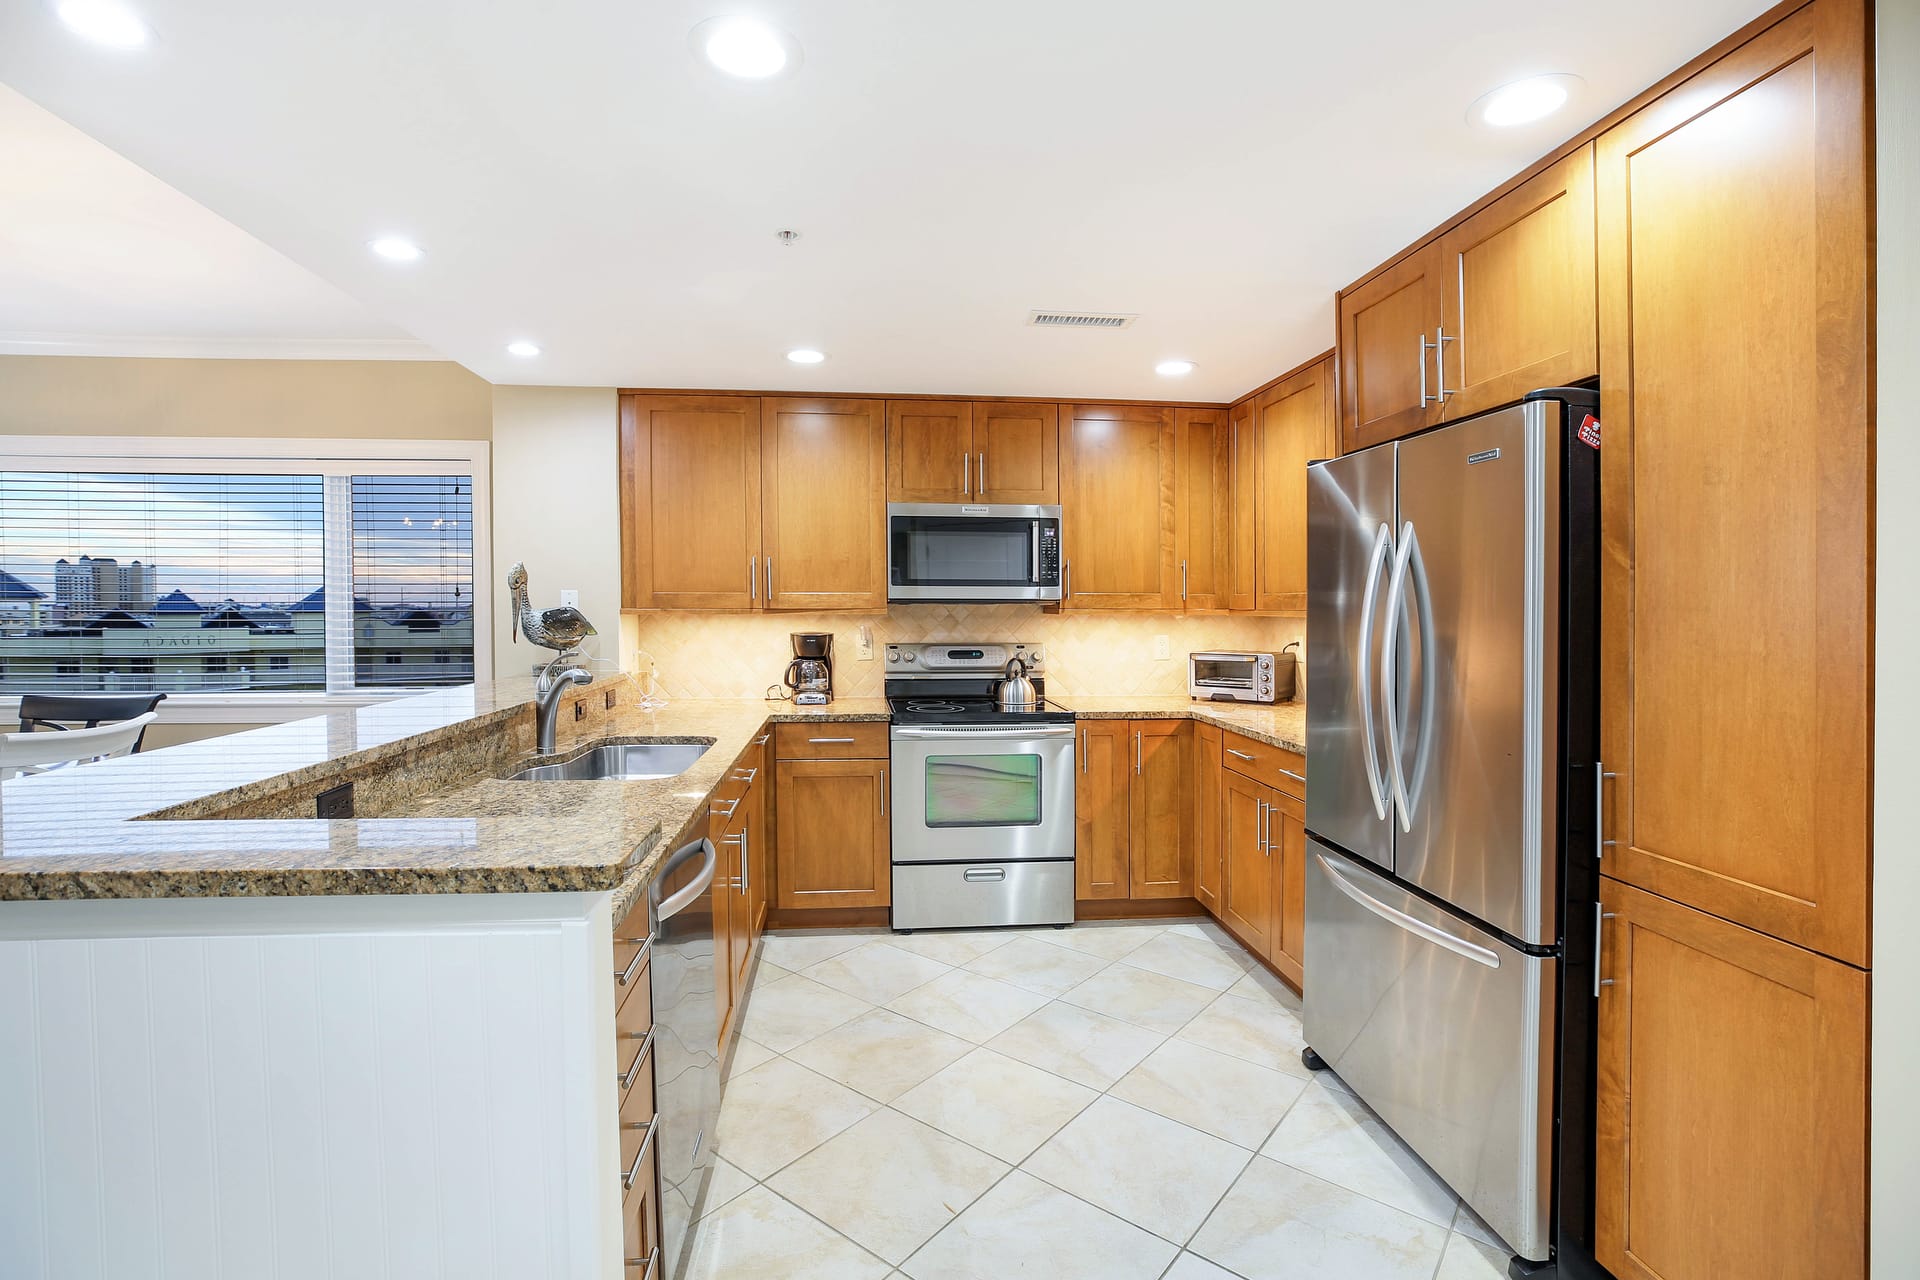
point(667, 908)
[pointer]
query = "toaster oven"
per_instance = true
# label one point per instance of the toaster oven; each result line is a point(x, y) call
point(1233, 675)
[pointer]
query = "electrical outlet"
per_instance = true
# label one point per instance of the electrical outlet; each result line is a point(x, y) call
point(1162, 647)
point(863, 643)
point(580, 710)
point(612, 698)
point(570, 599)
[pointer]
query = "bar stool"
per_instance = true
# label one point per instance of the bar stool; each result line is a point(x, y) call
point(30, 753)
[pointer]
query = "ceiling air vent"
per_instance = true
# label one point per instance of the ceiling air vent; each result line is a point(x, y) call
point(1079, 319)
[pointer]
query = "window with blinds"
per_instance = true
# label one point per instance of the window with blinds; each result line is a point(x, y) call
point(200, 583)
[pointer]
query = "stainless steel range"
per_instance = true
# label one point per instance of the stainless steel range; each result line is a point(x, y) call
point(982, 798)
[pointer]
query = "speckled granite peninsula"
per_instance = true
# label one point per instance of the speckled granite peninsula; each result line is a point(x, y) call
point(231, 816)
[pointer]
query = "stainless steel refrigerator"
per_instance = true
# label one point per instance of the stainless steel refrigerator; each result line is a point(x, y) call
point(1452, 604)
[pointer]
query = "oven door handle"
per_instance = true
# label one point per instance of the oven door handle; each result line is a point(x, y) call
point(985, 735)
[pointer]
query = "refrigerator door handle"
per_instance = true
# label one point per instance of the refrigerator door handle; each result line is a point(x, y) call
point(1400, 919)
point(1423, 752)
point(1396, 590)
point(1376, 785)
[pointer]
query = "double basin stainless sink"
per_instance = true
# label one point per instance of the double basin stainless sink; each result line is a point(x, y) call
point(618, 762)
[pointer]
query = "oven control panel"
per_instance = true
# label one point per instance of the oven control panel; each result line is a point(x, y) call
point(963, 659)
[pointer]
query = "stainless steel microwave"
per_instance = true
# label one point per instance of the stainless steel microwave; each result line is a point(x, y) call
point(961, 551)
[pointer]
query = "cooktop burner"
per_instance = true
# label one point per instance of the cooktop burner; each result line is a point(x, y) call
point(922, 706)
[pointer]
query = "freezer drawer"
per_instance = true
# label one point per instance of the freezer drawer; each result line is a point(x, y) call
point(1444, 1030)
point(962, 895)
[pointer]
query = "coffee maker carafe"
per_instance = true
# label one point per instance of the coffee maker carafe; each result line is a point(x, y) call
point(810, 674)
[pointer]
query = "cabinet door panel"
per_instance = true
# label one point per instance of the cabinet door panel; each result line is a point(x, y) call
point(823, 477)
point(1101, 817)
point(930, 451)
point(1016, 452)
point(1289, 839)
point(1732, 1101)
point(1736, 483)
point(1160, 854)
point(1117, 484)
point(1208, 872)
point(834, 848)
point(689, 501)
point(1202, 508)
point(1248, 899)
point(1243, 508)
point(1520, 292)
point(1294, 429)
point(1385, 325)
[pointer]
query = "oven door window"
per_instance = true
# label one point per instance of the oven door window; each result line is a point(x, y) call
point(944, 551)
point(983, 791)
point(1234, 674)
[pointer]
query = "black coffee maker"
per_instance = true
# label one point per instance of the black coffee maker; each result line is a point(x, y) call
point(810, 674)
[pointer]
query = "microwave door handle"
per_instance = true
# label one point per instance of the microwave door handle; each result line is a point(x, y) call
point(1034, 543)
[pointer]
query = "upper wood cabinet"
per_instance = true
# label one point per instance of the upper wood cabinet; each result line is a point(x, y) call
point(1295, 425)
point(1102, 820)
point(1159, 806)
point(1518, 283)
point(823, 467)
point(1117, 471)
point(689, 502)
point(973, 451)
point(1500, 304)
point(1203, 489)
point(1731, 1101)
point(1735, 305)
point(1243, 504)
point(930, 451)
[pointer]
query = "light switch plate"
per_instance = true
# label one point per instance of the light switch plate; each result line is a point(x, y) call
point(570, 599)
point(1162, 647)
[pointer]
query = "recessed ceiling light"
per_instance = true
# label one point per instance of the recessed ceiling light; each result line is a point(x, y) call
point(522, 349)
point(395, 248)
point(806, 355)
point(746, 48)
point(107, 22)
point(1523, 101)
point(1174, 368)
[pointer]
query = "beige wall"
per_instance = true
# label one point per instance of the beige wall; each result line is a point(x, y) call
point(556, 506)
point(365, 399)
point(1895, 1177)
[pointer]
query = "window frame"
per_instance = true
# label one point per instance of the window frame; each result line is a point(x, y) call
point(329, 458)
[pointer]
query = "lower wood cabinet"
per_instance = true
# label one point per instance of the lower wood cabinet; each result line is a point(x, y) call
point(1133, 807)
point(834, 848)
point(1258, 826)
point(1247, 897)
point(737, 825)
point(633, 1086)
point(1209, 874)
point(1732, 1100)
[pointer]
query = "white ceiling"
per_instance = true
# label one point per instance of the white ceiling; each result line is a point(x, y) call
point(98, 257)
point(578, 178)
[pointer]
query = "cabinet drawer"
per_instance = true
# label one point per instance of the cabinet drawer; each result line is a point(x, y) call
point(1279, 768)
point(634, 1016)
point(635, 1062)
point(831, 741)
point(638, 1172)
point(630, 960)
point(732, 788)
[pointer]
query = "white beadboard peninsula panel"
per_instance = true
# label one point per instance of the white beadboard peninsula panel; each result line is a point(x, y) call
point(336, 1089)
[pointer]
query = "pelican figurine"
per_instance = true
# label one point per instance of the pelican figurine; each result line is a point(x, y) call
point(560, 629)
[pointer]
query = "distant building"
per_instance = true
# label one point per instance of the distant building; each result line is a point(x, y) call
point(20, 601)
point(96, 583)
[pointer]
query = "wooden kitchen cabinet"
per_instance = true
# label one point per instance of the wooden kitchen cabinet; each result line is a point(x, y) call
point(1732, 1101)
point(1209, 874)
point(994, 451)
point(1386, 334)
point(1296, 424)
point(1117, 474)
point(1203, 470)
point(833, 842)
point(823, 467)
point(1016, 452)
point(1243, 505)
point(1287, 840)
point(1159, 806)
point(1247, 898)
point(689, 501)
point(930, 451)
point(1737, 473)
point(1102, 817)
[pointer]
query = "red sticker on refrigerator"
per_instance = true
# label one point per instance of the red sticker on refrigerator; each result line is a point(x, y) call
point(1590, 432)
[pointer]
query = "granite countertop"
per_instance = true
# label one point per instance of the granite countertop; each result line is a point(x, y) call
point(83, 833)
point(1280, 724)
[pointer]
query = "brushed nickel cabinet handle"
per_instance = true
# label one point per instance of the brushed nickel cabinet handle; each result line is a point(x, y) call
point(829, 739)
point(1295, 776)
point(1600, 917)
point(753, 578)
point(640, 1156)
point(983, 475)
point(769, 579)
point(1440, 361)
point(649, 1262)
point(1137, 738)
point(966, 486)
point(714, 810)
point(625, 976)
point(632, 1072)
point(1083, 750)
point(883, 793)
point(1183, 579)
point(1239, 755)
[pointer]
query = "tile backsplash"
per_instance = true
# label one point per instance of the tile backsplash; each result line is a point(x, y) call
point(735, 655)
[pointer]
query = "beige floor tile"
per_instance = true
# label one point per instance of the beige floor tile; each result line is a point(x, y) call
point(1143, 1167)
point(1258, 1031)
point(1211, 1091)
point(776, 1113)
point(1038, 966)
point(759, 1235)
point(1077, 1043)
point(1262, 982)
point(1469, 1259)
point(1206, 930)
point(1197, 960)
point(1025, 1228)
point(1280, 1224)
point(880, 1053)
point(995, 1103)
point(889, 1182)
point(876, 972)
point(795, 951)
point(766, 973)
point(1469, 1223)
point(1146, 999)
point(951, 946)
point(728, 1180)
point(747, 1054)
point(794, 1010)
point(1332, 1135)
point(1191, 1266)
point(1108, 941)
point(968, 1005)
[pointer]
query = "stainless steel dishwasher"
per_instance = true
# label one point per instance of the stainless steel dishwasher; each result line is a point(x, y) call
point(686, 1035)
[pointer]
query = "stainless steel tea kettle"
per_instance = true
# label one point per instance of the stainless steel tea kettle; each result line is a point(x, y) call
point(1016, 692)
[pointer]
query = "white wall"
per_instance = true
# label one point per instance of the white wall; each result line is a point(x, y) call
point(1896, 846)
point(556, 507)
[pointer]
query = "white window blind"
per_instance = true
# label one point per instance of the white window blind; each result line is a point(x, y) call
point(412, 580)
